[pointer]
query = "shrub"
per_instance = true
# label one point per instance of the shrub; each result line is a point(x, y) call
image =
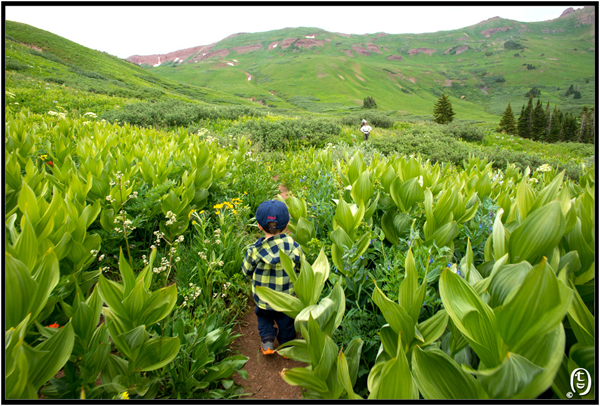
point(463, 131)
point(281, 134)
point(374, 118)
point(14, 65)
point(510, 44)
point(171, 113)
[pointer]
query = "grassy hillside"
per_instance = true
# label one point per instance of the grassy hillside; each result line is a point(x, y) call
point(37, 60)
point(473, 65)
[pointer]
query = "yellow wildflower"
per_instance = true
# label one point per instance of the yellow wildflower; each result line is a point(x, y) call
point(245, 192)
point(190, 213)
point(229, 205)
point(217, 212)
point(234, 211)
point(202, 212)
point(44, 157)
point(193, 221)
point(218, 206)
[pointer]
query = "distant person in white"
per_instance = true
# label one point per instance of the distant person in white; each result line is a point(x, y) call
point(366, 129)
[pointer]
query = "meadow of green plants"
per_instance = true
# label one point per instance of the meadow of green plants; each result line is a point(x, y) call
point(442, 262)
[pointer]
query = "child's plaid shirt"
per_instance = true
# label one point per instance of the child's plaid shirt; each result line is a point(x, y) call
point(263, 265)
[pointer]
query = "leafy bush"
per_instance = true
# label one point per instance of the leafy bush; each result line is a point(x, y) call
point(510, 44)
point(463, 131)
point(443, 148)
point(281, 134)
point(14, 65)
point(172, 113)
point(374, 118)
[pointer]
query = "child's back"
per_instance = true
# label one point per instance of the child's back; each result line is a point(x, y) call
point(263, 264)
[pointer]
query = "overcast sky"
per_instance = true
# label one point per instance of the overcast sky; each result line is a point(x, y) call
point(143, 30)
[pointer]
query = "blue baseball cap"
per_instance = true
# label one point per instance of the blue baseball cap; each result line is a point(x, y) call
point(272, 210)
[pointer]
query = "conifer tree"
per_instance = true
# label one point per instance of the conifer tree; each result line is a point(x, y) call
point(442, 111)
point(548, 120)
point(507, 122)
point(569, 127)
point(538, 123)
point(523, 125)
point(555, 128)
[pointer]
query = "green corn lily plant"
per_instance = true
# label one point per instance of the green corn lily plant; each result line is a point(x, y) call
point(299, 225)
point(308, 286)
point(28, 367)
point(391, 376)
point(131, 310)
point(519, 342)
point(316, 322)
point(90, 353)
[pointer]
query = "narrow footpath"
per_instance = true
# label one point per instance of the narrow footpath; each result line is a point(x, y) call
point(264, 371)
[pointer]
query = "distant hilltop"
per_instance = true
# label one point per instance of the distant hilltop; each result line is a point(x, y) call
point(585, 16)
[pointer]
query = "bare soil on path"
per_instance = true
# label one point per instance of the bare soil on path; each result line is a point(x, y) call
point(264, 379)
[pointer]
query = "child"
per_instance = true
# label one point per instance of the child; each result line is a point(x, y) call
point(263, 265)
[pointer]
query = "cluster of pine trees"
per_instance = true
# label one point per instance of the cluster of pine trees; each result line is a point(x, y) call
point(539, 124)
point(369, 103)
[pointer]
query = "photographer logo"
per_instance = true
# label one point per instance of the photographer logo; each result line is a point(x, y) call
point(581, 382)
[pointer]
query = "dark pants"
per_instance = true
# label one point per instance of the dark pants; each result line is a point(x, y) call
point(366, 136)
point(267, 330)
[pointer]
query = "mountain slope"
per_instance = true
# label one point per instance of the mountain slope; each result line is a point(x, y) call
point(318, 71)
point(32, 53)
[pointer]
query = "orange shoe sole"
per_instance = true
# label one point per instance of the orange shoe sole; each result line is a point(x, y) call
point(267, 352)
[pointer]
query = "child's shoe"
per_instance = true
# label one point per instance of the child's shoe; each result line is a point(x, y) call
point(267, 347)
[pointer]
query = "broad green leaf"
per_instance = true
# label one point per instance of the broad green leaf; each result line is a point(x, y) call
point(472, 317)
point(387, 225)
point(343, 375)
point(433, 327)
point(408, 287)
point(156, 353)
point(395, 315)
point(362, 189)
point(396, 195)
point(549, 193)
point(525, 198)
point(540, 232)
point(505, 279)
point(126, 273)
point(26, 246)
point(352, 353)
point(410, 193)
point(338, 297)
point(282, 302)
point(56, 351)
point(159, 305)
point(507, 379)
point(444, 235)
point(546, 352)
point(439, 377)
point(296, 350)
point(341, 238)
point(581, 320)
point(535, 308)
point(288, 266)
point(135, 303)
point(327, 359)
point(395, 380)
point(498, 236)
point(304, 378)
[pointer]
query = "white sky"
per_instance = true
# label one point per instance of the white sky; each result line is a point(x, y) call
point(144, 30)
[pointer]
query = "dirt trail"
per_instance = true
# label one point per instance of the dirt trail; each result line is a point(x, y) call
point(264, 379)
